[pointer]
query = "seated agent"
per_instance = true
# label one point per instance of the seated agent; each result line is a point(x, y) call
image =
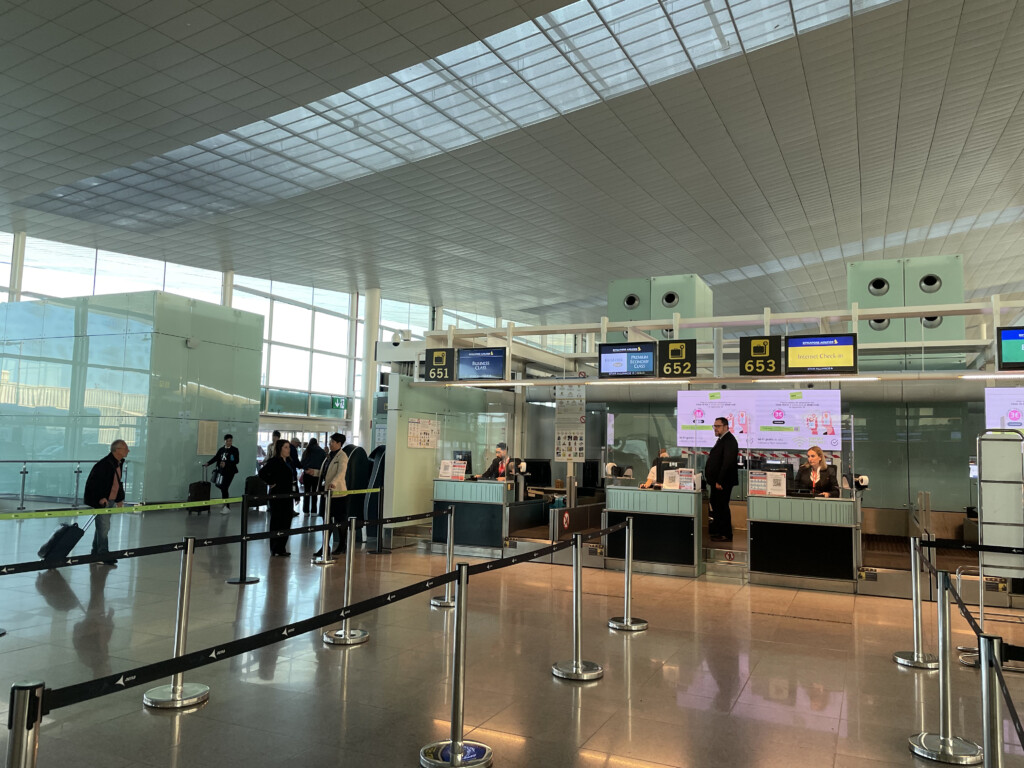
point(652, 476)
point(816, 476)
point(497, 469)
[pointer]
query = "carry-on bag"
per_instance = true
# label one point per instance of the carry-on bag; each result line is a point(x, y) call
point(199, 491)
point(63, 540)
point(254, 488)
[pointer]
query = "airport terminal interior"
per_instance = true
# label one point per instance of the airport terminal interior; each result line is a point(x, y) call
point(694, 327)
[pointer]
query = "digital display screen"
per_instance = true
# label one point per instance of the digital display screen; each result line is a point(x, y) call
point(1010, 342)
point(821, 354)
point(627, 360)
point(486, 363)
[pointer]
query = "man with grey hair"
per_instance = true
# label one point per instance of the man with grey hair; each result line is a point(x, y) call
point(104, 489)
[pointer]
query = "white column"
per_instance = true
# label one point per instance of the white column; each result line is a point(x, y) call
point(17, 266)
point(371, 330)
point(437, 319)
point(227, 288)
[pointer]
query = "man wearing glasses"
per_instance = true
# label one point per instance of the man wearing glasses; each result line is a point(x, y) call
point(721, 475)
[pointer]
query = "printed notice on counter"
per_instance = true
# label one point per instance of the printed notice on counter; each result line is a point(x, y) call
point(679, 480)
point(772, 419)
point(458, 470)
point(570, 423)
point(445, 473)
point(761, 483)
point(423, 433)
point(1004, 407)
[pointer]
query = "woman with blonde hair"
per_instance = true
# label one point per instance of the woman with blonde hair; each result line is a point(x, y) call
point(817, 476)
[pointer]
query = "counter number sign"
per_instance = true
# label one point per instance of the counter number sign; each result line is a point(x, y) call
point(677, 358)
point(761, 356)
point(440, 364)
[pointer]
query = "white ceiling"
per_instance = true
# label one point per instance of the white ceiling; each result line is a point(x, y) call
point(765, 161)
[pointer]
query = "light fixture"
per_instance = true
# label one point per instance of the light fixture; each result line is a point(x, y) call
point(814, 380)
point(982, 376)
point(631, 382)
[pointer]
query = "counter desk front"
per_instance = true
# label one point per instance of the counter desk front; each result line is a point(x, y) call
point(813, 543)
point(482, 510)
point(666, 530)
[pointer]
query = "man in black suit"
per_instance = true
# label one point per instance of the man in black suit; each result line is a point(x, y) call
point(721, 475)
point(498, 467)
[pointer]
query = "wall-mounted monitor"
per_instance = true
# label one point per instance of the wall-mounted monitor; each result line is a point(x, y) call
point(628, 359)
point(1010, 344)
point(821, 354)
point(482, 363)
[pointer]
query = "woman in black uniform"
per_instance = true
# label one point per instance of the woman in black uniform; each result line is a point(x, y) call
point(817, 476)
point(277, 473)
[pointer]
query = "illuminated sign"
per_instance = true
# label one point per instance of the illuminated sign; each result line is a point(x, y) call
point(485, 363)
point(1010, 344)
point(627, 360)
point(821, 354)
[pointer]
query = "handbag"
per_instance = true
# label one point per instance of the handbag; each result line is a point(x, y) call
point(217, 476)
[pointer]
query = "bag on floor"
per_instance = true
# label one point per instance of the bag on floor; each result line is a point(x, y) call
point(63, 540)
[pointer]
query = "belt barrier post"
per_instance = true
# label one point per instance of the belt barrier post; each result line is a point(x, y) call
point(78, 479)
point(626, 621)
point(23, 721)
point(457, 751)
point(325, 557)
point(24, 475)
point(346, 636)
point(577, 669)
point(916, 658)
point(447, 601)
point(243, 549)
point(990, 647)
point(943, 746)
point(180, 694)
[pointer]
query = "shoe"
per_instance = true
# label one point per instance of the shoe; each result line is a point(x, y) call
point(338, 551)
point(295, 514)
point(111, 563)
point(316, 554)
point(225, 510)
point(719, 538)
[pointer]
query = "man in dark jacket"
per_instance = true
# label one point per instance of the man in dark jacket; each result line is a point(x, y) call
point(226, 460)
point(499, 466)
point(104, 489)
point(722, 476)
point(312, 459)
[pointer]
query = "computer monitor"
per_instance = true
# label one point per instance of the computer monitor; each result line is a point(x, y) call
point(669, 462)
point(539, 472)
point(466, 456)
point(591, 474)
point(781, 466)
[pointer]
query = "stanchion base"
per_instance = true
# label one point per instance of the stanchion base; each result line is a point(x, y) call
point(441, 602)
point(440, 754)
point(320, 561)
point(585, 670)
point(162, 697)
point(628, 625)
point(915, 660)
point(351, 637)
point(954, 750)
point(246, 580)
point(970, 659)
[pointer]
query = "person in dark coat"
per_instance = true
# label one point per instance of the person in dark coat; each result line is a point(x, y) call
point(226, 460)
point(722, 476)
point(312, 460)
point(278, 475)
point(103, 489)
point(816, 476)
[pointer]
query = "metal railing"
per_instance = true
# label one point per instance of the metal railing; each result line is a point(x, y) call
point(51, 486)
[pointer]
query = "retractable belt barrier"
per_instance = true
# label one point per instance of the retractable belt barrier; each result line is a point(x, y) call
point(965, 547)
point(55, 698)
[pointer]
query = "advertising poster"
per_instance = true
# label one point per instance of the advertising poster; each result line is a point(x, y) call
point(778, 419)
point(697, 411)
point(1004, 408)
point(798, 419)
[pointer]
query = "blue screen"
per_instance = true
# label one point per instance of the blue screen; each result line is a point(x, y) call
point(637, 358)
point(486, 363)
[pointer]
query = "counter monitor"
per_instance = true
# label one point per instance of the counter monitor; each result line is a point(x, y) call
point(627, 360)
point(482, 363)
point(821, 354)
point(1010, 343)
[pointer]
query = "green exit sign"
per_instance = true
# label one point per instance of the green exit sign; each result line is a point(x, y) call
point(338, 402)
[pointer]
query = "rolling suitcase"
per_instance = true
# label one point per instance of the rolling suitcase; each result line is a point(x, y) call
point(199, 491)
point(63, 540)
point(255, 487)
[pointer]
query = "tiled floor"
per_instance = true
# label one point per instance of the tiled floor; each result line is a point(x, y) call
point(728, 675)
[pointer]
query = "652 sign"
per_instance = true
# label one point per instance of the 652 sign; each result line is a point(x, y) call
point(677, 358)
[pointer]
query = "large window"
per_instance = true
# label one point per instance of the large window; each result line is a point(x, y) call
point(58, 269)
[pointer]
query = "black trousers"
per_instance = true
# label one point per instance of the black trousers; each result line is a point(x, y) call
point(280, 520)
point(339, 514)
point(225, 484)
point(721, 516)
point(309, 485)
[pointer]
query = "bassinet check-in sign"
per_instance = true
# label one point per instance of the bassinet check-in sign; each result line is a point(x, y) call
point(776, 419)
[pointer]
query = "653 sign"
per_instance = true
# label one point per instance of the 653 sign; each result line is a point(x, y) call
point(761, 356)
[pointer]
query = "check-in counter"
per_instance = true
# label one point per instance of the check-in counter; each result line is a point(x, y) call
point(482, 510)
point(812, 543)
point(666, 530)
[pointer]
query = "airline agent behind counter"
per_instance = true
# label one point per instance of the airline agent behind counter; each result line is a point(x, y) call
point(817, 476)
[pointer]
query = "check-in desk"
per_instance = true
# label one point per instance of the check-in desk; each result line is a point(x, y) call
point(810, 543)
point(666, 530)
point(482, 510)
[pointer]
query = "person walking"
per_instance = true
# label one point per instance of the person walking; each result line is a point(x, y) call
point(104, 489)
point(226, 460)
point(312, 460)
point(278, 475)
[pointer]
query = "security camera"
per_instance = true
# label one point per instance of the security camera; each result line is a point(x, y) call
point(399, 336)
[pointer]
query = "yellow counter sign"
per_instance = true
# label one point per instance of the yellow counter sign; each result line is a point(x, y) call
point(836, 354)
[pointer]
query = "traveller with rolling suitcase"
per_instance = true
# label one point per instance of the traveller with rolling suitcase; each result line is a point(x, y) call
point(104, 489)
